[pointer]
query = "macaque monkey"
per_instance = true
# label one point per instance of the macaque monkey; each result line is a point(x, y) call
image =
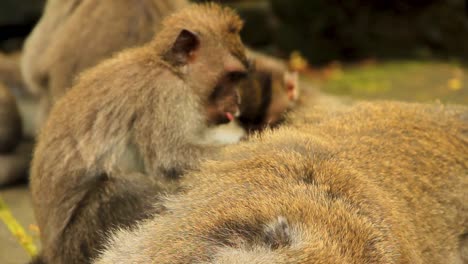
point(74, 35)
point(266, 97)
point(377, 183)
point(132, 126)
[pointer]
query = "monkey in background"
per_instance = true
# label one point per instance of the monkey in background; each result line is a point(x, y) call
point(266, 97)
point(375, 183)
point(74, 35)
point(131, 127)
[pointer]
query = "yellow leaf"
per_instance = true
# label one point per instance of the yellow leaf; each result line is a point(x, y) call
point(297, 62)
point(16, 229)
point(454, 84)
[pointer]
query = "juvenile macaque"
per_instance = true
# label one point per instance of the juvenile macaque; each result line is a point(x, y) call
point(377, 183)
point(131, 126)
point(266, 97)
point(74, 35)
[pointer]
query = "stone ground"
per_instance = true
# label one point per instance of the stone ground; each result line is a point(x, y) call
point(19, 201)
point(414, 81)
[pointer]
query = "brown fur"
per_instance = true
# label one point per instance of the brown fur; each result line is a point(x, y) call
point(377, 183)
point(74, 35)
point(130, 127)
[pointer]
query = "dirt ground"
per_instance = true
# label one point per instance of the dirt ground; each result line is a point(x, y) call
point(19, 201)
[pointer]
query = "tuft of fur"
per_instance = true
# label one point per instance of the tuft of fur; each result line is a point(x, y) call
point(375, 183)
point(126, 132)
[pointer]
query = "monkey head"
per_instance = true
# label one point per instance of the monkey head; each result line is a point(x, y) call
point(266, 96)
point(208, 54)
point(285, 93)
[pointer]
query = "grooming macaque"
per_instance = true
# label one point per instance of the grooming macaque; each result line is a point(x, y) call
point(377, 183)
point(74, 35)
point(132, 126)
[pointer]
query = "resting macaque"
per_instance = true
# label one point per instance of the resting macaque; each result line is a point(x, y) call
point(377, 183)
point(131, 127)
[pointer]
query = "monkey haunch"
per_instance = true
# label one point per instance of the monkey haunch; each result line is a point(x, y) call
point(131, 123)
point(379, 183)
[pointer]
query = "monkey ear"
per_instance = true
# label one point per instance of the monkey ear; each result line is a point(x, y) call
point(184, 47)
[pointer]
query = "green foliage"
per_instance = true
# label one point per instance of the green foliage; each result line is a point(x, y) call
point(357, 29)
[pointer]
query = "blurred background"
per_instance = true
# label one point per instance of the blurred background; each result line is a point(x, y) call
point(397, 49)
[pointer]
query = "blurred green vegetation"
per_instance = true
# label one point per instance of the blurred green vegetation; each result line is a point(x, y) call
point(323, 31)
point(353, 30)
point(422, 81)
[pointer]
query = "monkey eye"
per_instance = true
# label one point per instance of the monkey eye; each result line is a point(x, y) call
point(236, 76)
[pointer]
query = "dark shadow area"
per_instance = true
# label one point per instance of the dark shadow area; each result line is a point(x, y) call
point(353, 30)
point(17, 19)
